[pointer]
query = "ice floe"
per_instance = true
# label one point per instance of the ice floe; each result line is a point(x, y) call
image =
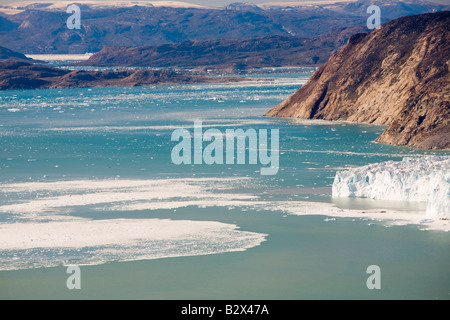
point(90, 242)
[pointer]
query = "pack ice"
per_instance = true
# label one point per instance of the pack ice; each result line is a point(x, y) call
point(413, 179)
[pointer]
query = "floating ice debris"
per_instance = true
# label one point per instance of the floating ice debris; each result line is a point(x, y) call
point(94, 242)
point(424, 179)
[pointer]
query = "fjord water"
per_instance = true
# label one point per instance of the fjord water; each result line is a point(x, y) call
point(101, 136)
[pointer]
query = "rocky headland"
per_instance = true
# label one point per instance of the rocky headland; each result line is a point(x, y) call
point(396, 76)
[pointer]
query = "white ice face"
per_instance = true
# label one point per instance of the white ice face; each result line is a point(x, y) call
point(424, 179)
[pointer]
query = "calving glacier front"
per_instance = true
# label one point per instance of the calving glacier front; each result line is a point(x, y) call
point(413, 179)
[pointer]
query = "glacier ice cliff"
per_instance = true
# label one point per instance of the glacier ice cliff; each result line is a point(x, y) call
point(424, 179)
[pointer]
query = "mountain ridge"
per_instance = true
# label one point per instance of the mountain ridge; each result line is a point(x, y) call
point(228, 54)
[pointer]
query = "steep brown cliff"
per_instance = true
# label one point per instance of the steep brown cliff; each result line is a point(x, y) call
point(396, 76)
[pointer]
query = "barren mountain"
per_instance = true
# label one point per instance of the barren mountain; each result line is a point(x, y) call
point(41, 28)
point(6, 53)
point(270, 51)
point(20, 75)
point(396, 76)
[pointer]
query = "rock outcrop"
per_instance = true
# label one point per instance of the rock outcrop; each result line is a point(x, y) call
point(6, 53)
point(396, 76)
point(20, 75)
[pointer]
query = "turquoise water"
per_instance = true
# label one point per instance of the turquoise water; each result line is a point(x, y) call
point(124, 134)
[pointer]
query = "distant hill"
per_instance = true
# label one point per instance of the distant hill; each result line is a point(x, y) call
point(228, 54)
point(6, 53)
point(20, 75)
point(7, 25)
point(396, 76)
point(41, 28)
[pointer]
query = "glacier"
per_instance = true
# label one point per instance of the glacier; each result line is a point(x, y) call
point(425, 179)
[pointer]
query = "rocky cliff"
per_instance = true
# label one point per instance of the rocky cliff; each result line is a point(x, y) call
point(396, 76)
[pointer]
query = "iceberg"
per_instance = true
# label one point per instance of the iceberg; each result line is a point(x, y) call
point(425, 179)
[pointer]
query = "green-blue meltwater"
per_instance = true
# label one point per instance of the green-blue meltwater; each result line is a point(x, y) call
point(87, 179)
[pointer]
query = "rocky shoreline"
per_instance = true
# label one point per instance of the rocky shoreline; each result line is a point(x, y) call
point(20, 75)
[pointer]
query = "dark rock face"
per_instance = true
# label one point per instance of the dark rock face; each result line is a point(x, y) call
point(396, 76)
point(18, 75)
